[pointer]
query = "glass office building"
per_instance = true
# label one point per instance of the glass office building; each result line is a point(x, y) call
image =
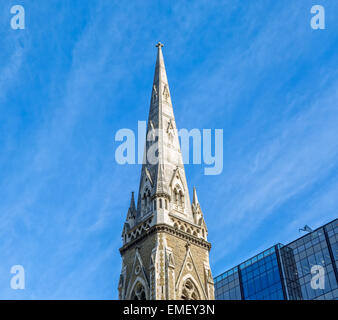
point(305, 269)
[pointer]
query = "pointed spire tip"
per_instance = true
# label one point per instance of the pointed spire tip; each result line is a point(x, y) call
point(194, 198)
point(132, 201)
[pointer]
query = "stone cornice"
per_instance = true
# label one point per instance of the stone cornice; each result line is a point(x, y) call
point(161, 194)
point(171, 230)
point(183, 220)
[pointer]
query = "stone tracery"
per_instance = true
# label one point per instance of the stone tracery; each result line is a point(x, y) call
point(189, 291)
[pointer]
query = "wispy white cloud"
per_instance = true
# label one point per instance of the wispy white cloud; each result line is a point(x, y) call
point(63, 189)
point(303, 150)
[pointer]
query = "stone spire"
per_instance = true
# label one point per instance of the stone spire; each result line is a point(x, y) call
point(131, 216)
point(132, 202)
point(162, 174)
point(165, 252)
point(197, 211)
point(195, 199)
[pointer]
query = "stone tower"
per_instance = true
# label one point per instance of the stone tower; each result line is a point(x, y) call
point(165, 252)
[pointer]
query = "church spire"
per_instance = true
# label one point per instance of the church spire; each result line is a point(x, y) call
point(163, 174)
point(165, 252)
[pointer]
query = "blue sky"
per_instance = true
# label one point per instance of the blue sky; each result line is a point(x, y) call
point(81, 70)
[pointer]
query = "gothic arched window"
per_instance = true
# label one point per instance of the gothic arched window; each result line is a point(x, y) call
point(175, 196)
point(189, 291)
point(139, 292)
point(146, 200)
point(181, 199)
point(178, 197)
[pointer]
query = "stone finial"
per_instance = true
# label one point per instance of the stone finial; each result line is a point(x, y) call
point(195, 199)
point(159, 45)
point(132, 201)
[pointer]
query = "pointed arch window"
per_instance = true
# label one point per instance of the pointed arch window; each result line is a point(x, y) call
point(189, 291)
point(146, 201)
point(139, 292)
point(175, 196)
point(178, 197)
point(166, 92)
point(149, 199)
point(181, 199)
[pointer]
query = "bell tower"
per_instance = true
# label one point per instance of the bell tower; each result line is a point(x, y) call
point(165, 252)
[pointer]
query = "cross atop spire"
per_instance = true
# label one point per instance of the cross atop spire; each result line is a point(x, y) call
point(160, 76)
